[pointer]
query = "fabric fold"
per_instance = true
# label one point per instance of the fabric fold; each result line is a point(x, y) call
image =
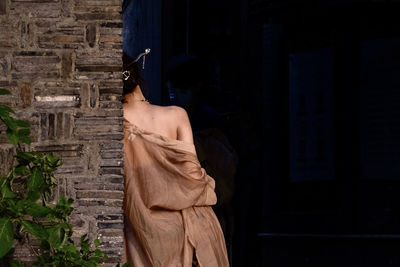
point(167, 203)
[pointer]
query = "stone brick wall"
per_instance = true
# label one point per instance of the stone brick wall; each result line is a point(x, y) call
point(62, 60)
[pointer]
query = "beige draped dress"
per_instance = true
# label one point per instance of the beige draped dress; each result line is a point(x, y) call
point(167, 204)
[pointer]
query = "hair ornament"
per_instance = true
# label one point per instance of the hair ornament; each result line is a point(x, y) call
point(126, 74)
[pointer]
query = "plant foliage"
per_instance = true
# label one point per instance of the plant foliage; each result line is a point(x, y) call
point(25, 210)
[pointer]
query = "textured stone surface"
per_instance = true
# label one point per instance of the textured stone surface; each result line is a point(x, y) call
point(61, 59)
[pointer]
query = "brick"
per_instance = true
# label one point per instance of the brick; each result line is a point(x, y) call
point(96, 185)
point(35, 75)
point(45, 24)
point(117, 25)
point(110, 105)
point(117, 85)
point(116, 180)
point(8, 37)
point(4, 66)
point(8, 83)
point(54, 29)
point(98, 68)
point(6, 159)
point(91, 34)
point(35, 64)
point(113, 46)
point(110, 145)
point(110, 39)
point(61, 41)
point(54, 88)
point(97, 121)
point(50, 131)
point(77, 220)
point(26, 94)
point(110, 95)
point(59, 128)
point(98, 9)
point(67, 126)
point(43, 126)
point(70, 169)
point(57, 104)
point(85, 95)
point(117, 114)
point(106, 170)
point(113, 225)
point(88, 76)
point(66, 7)
point(94, 95)
point(66, 66)
point(94, 210)
point(3, 7)
point(111, 163)
point(97, 2)
point(50, 45)
point(98, 16)
point(53, 148)
point(103, 194)
point(88, 136)
point(97, 129)
point(111, 154)
point(36, 9)
point(110, 217)
point(65, 39)
point(35, 1)
point(100, 202)
point(35, 130)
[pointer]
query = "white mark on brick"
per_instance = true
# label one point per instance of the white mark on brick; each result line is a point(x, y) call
point(56, 98)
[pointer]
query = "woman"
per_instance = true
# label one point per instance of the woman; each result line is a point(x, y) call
point(168, 195)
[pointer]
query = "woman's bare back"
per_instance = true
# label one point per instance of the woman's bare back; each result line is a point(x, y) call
point(169, 121)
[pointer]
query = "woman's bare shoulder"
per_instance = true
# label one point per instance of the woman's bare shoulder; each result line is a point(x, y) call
point(178, 118)
point(184, 129)
point(172, 112)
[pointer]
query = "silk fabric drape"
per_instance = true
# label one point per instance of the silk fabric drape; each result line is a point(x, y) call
point(167, 204)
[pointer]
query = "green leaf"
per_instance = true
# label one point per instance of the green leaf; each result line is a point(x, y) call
point(33, 195)
point(98, 252)
point(56, 236)
point(53, 160)
point(6, 236)
point(23, 135)
point(44, 244)
point(24, 158)
point(35, 180)
point(15, 263)
point(34, 229)
point(22, 123)
point(5, 189)
point(12, 137)
point(5, 112)
point(11, 205)
point(4, 91)
point(21, 170)
point(36, 210)
point(96, 242)
point(20, 206)
point(11, 124)
point(126, 264)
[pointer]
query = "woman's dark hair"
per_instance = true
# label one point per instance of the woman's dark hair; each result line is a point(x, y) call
point(135, 77)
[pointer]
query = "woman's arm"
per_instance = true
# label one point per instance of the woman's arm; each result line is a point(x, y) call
point(184, 129)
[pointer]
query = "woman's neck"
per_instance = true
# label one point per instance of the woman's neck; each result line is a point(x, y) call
point(135, 95)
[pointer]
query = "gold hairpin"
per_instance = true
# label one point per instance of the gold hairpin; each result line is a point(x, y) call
point(127, 73)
